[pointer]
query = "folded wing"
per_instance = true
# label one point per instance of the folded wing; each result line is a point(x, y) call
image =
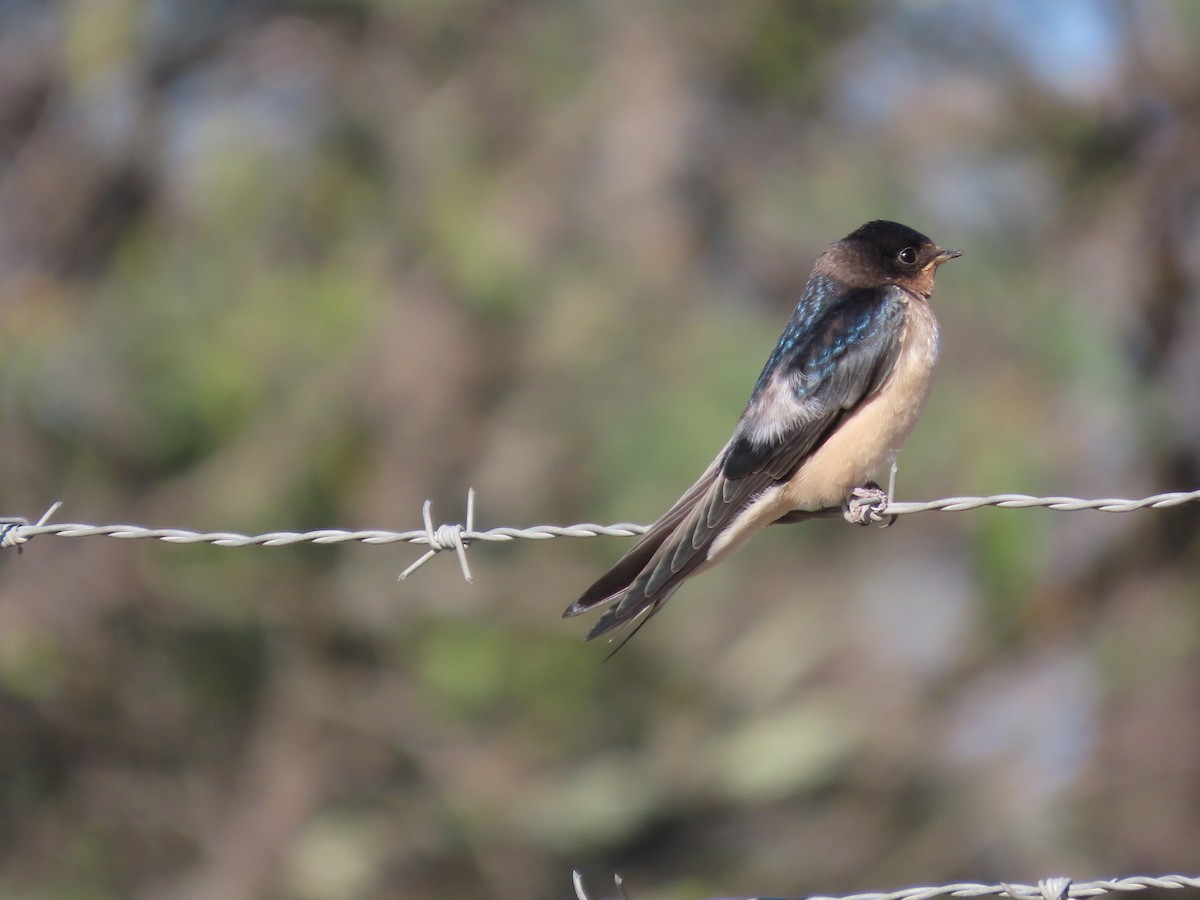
point(824, 366)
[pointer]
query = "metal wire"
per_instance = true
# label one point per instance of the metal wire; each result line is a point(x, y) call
point(16, 531)
point(1046, 889)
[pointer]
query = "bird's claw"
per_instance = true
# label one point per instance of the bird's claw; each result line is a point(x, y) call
point(865, 506)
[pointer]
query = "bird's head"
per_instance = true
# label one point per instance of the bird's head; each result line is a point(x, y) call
point(885, 253)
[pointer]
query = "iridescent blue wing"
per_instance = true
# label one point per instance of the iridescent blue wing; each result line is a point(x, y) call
point(835, 352)
point(822, 368)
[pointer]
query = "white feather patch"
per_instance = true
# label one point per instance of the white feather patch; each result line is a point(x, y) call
point(776, 411)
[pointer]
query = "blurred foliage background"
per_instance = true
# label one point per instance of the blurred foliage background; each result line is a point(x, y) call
point(281, 265)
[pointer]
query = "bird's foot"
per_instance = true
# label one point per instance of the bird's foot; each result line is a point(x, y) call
point(865, 506)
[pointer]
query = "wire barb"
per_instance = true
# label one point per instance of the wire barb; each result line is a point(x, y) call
point(14, 530)
point(1055, 888)
point(581, 891)
point(445, 537)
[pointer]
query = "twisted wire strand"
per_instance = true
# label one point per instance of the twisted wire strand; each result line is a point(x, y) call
point(21, 533)
point(1026, 501)
point(15, 531)
point(1046, 889)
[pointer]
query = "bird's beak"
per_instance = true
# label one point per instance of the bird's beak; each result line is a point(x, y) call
point(946, 256)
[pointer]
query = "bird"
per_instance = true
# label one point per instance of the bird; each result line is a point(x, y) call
point(838, 396)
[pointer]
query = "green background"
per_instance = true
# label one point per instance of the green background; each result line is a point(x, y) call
point(271, 265)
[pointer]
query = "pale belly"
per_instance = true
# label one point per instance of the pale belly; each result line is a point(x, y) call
point(878, 429)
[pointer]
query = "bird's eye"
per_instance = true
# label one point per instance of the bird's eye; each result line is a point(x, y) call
point(907, 256)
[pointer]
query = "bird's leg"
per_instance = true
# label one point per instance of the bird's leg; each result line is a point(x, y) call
point(865, 505)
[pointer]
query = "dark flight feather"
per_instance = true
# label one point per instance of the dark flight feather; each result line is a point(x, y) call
point(838, 348)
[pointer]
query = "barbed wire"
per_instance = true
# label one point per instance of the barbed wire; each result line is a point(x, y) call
point(1047, 889)
point(16, 531)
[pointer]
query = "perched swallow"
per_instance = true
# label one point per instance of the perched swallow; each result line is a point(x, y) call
point(837, 398)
